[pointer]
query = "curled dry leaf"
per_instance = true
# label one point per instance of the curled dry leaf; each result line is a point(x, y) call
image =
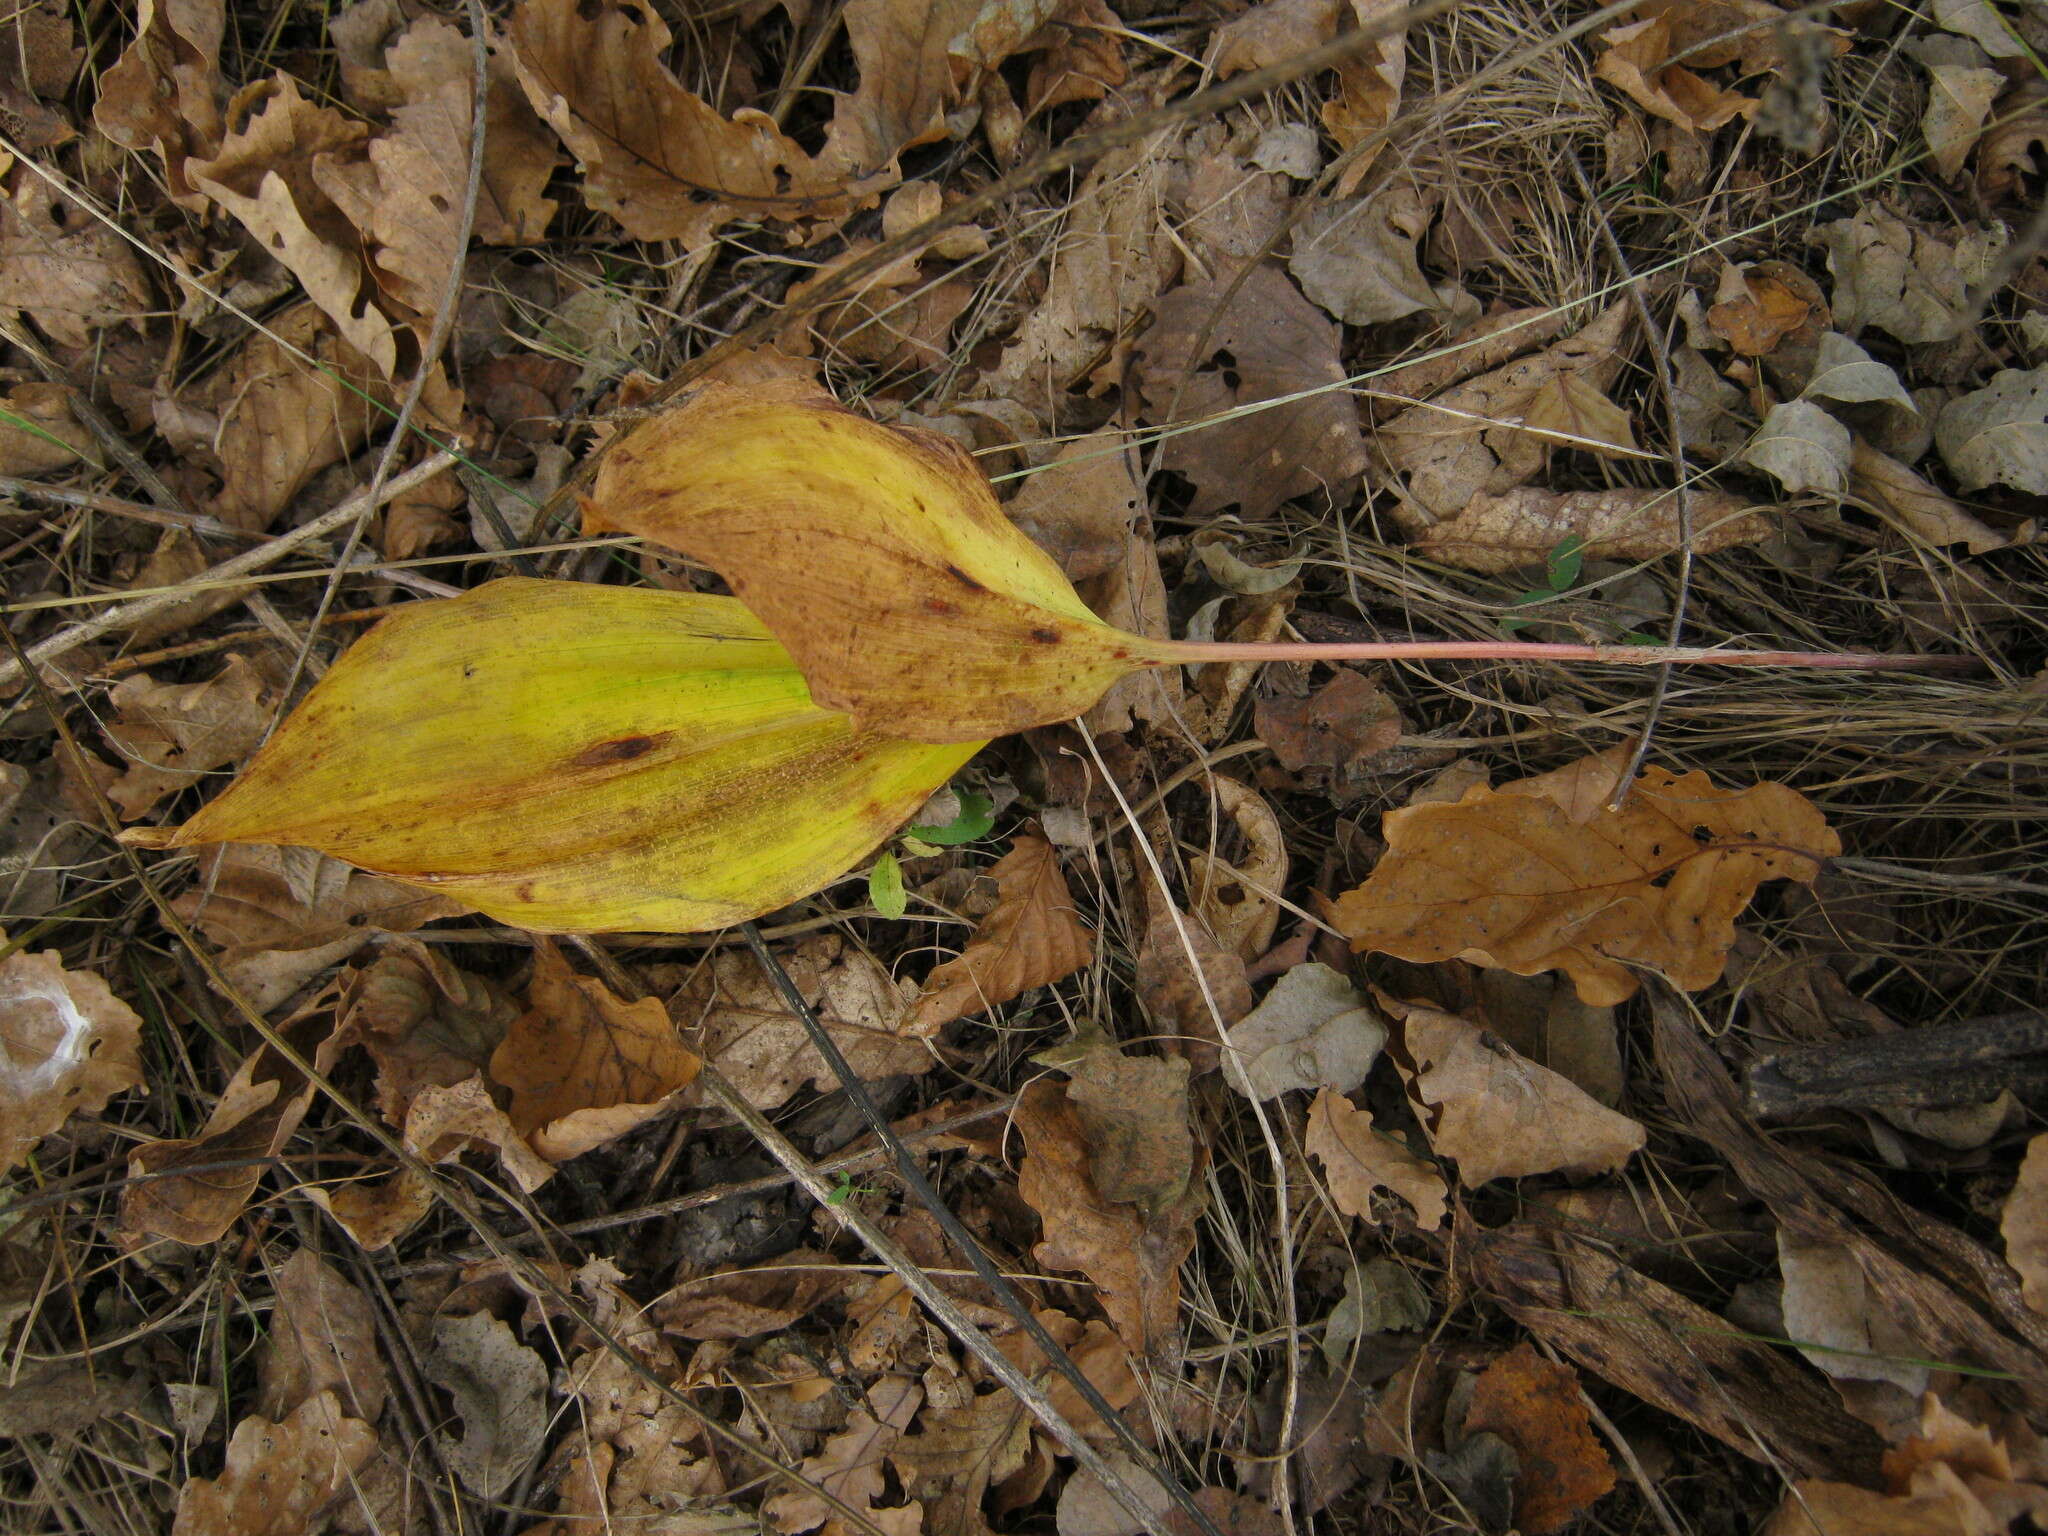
point(1358, 1161)
point(585, 1066)
point(636, 732)
point(1999, 434)
point(164, 92)
point(70, 275)
point(1803, 448)
point(1511, 880)
point(1133, 1260)
point(1235, 898)
point(1754, 310)
point(655, 156)
point(1535, 1406)
point(1356, 257)
point(1271, 33)
point(1518, 528)
point(279, 1476)
point(1491, 433)
point(38, 433)
point(908, 562)
point(1368, 90)
point(1638, 62)
point(323, 1338)
point(743, 1027)
point(740, 1303)
point(277, 174)
point(1257, 341)
point(500, 1389)
point(1179, 978)
point(1843, 371)
point(173, 734)
point(1498, 1114)
point(1926, 514)
point(2024, 1225)
point(1312, 1030)
point(1032, 938)
point(1894, 276)
point(66, 1044)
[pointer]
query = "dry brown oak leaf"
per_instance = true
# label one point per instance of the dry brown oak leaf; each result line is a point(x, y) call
point(1510, 879)
point(279, 1476)
point(1133, 1260)
point(1357, 1160)
point(66, 1044)
point(584, 1065)
point(323, 1338)
point(1032, 938)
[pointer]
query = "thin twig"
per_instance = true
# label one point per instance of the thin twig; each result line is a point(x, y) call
point(127, 615)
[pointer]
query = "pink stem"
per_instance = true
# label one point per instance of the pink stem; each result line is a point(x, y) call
point(1189, 651)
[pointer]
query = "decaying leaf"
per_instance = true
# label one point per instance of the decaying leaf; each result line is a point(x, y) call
point(1133, 1113)
point(173, 734)
point(1914, 504)
point(1368, 92)
point(164, 92)
point(72, 275)
point(1894, 276)
point(323, 1338)
point(1189, 983)
point(1356, 257)
point(38, 432)
point(1271, 33)
point(1638, 62)
point(1358, 1161)
point(66, 1044)
point(1842, 1328)
point(1510, 879)
point(1960, 92)
point(1517, 529)
point(955, 1456)
point(1498, 1114)
point(584, 1066)
point(1754, 310)
point(1803, 448)
point(852, 1464)
point(908, 561)
point(740, 1303)
point(1032, 938)
point(1133, 1260)
point(1536, 1407)
point(2024, 1225)
point(743, 1027)
point(500, 1390)
point(636, 732)
point(1258, 342)
point(1312, 1030)
point(1843, 371)
point(1235, 897)
point(279, 1476)
point(1330, 737)
point(1999, 434)
point(655, 156)
point(1491, 433)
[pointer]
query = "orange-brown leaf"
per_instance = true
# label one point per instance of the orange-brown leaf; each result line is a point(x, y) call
point(1031, 939)
point(1535, 1405)
point(1509, 879)
point(1358, 1160)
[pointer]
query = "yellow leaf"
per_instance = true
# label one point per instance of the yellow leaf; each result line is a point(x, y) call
point(877, 555)
point(1511, 879)
point(573, 757)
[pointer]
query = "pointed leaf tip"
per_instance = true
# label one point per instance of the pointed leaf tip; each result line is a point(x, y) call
point(877, 554)
point(578, 758)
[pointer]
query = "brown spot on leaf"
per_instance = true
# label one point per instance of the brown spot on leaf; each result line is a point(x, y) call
point(623, 749)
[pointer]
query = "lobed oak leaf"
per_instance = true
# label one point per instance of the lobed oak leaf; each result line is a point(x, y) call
point(654, 155)
point(164, 91)
point(851, 1465)
point(1358, 1160)
point(1895, 276)
point(66, 1044)
point(1498, 1114)
point(578, 757)
point(1754, 310)
point(1638, 62)
point(1032, 938)
point(1510, 880)
point(957, 1454)
point(583, 1065)
point(279, 1476)
point(922, 610)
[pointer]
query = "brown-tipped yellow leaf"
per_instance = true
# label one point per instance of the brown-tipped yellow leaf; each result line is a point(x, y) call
point(878, 555)
point(578, 758)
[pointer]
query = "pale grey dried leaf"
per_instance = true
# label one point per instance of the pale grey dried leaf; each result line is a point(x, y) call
point(1896, 277)
point(1958, 100)
point(1803, 448)
point(1313, 1030)
point(1979, 21)
point(1841, 1323)
point(1380, 1296)
point(1356, 258)
point(1844, 371)
point(1999, 434)
point(500, 1388)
